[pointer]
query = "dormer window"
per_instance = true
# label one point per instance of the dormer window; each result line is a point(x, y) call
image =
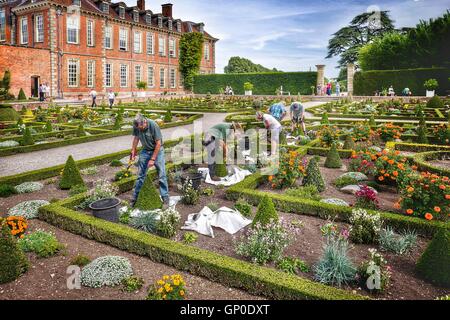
point(122, 12)
point(148, 18)
point(77, 3)
point(135, 16)
point(170, 25)
point(105, 7)
point(160, 22)
point(200, 28)
point(179, 26)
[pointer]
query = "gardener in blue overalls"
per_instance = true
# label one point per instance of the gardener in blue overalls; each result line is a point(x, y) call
point(149, 134)
point(278, 111)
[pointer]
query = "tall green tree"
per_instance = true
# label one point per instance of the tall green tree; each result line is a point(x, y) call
point(190, 57)
point(243, 65)
point(362, 29)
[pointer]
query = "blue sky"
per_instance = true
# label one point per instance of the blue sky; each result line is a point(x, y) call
point(291, 35)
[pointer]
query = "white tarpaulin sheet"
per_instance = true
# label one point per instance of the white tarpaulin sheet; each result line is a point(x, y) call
point(225, 218)
point(238, 175)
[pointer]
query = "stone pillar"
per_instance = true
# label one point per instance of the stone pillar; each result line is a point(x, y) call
point(320, 79)
point(350, 75)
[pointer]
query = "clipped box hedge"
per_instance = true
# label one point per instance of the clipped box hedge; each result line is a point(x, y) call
point(264, 83)
point(421, 161)
point(367, 82)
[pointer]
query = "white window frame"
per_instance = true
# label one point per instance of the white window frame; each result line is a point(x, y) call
point(150, 76)
point(121, 12)
point(24, 30)
point(74, 26)
point(172, 48)
point(122, 85)
point(136, 16)
point(90, 78)
point(206, 53)
point(162, 45)
point(137, 73)
point(150, 43)
point(123, 31)
point(39, 28)
point(2, 24)
point(110, 33)
point(162, 78)
point(137, 45)
point(111, 75)
point(90, 29)
point(76, 63)
point(173, 78)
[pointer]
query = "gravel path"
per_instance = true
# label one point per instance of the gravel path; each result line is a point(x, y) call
point(20, 163)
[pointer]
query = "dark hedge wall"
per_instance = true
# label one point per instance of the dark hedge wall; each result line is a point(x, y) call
point(264, 83)
point(366, 83)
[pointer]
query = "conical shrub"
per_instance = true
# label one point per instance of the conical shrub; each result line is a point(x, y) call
point(325, 119)
point(266, 212)
point(349, 144)
point(221, 170)
point(333, 159)
point(148, 198)
point(313, 177)
point(13, 260)
point(168, 116)
point(434, 264)
point(27, 138)
point(80, 131)
point(71, 176)
point(48, 126)
point(21, 95)
point(118, 121)
point(372, 122)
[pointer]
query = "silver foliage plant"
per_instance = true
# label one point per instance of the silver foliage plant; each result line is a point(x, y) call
point(27, 209)
point(29, 187)
point(106, 271)
point(397, 243)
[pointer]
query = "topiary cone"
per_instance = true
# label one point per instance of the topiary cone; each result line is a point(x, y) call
point(27, 138)
point(333, 159)
point(221, 170)
point(13, 260)
point(80, 131)
point(148, 198)
point(313, 177)
point(349, 144)
point(434, 264)
point(266, 212)
point(71, 175)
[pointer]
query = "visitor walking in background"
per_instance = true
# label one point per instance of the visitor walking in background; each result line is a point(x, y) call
point(338, 89)
point(391, 91)
point(41, 92)
point(278, 110)
point(111, 97)
point(148, 133)
point(93, 95)
point(329, 89)
point(298, 116)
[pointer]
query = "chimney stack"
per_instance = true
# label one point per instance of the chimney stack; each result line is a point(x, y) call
point(167, 10)
point(141, 5)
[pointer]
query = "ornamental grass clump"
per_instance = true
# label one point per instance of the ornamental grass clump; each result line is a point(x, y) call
point(397, 243)
point(333, 159)
point(70, 175)
point(434, 264)
point(313, 177)
point(13, 261)
point(148, 198)
point(266, 212)
point(27, 209)
point(43, 244)
point(365, 227)
point(29, 187)
point(106, 271)
point(335, 266)
point(264, 243)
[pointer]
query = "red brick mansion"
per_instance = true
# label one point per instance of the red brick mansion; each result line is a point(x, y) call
point(78, 45)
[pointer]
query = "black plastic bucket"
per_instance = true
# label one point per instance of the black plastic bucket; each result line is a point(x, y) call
point(106, 209)
point(196, 179)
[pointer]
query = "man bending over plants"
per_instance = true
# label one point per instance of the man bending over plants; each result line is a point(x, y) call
point(149, 134)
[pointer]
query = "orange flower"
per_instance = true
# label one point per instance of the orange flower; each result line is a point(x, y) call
point(397, 205)
point(381, 178)
point(410, 211)
point(270, 178)
point(442, 187)
point(395, 173)
point(410, 189)
point(437, 209)
point(447, 196)
point(428, 216)
point(391, 162)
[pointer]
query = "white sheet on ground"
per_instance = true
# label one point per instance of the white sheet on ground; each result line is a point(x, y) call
point(238, 175)
point(225, 218)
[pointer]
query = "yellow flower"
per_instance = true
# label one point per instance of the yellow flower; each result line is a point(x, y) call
point(160, 290)
point(166, 278)
point(160, 282)
point(181, 292)
point(176, 282)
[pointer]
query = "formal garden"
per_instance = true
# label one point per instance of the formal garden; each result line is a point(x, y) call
point(366, 186)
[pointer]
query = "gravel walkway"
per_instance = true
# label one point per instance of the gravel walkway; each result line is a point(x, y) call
point(20, 163)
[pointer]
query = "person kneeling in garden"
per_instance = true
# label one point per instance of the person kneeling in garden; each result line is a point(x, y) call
point(298, 116)
point(149, 134)
point(216, 145)
point(275, 128)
